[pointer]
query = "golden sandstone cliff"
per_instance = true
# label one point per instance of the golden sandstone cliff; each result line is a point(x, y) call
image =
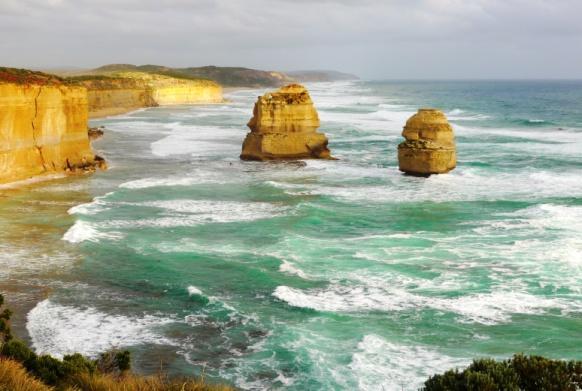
point(126, 91)
point(43, 126)
point(430, 144)
point(284, 126)
point(44, 118)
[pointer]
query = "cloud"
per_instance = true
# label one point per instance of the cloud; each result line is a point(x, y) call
point(374, 37)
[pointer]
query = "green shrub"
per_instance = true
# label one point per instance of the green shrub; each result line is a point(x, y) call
point(18, 351)
point(527, 373)
point(5, 332)
point(114, 361)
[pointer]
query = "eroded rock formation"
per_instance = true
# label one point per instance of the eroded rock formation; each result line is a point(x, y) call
point(430, 144)
point(284, 126)
point(43, 127)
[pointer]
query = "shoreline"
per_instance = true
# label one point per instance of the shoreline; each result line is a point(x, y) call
point(116, 111)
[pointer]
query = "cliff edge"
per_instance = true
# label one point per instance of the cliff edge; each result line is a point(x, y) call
point(43, 126)
point(120, 92)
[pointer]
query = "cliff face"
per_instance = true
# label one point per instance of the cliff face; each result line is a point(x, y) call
point(284, 126)
point(43, 129)
point(430, 144)
point(127, 91)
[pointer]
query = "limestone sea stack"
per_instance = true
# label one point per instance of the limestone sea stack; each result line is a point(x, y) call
point(430, 144)
point(284, 126)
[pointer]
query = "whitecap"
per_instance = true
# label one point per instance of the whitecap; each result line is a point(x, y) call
point(382, 365)
point(59, 330)
point(94, 207)
point(289, 268)
point(199, 140)
point(485, 308)
point(192, 290)
point(83, 231)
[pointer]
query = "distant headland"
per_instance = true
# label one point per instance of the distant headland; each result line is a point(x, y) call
point(225, 76)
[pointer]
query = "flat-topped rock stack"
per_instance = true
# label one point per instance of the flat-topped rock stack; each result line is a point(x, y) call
point(430, 144)
point(284, 126)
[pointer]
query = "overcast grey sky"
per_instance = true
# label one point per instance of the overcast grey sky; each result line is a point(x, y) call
point(372, 38)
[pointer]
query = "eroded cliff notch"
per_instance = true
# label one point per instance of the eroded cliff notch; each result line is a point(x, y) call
point(284, 126)
point(430, 144)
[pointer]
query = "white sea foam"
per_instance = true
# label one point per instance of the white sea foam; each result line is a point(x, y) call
point(486, 308)
point(145, 183)
point(83, 231)
point(98, 205)
point(185, 213)
point(23, 261)
point(462, 115)
point(192, 290)
point(219, 211)
point(463, 184)
point(382, 365)
point(199, 140)
point(289, 268)
point(542, 135)
point(59, 330)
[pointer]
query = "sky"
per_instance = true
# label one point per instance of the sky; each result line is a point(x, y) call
point(375, 39)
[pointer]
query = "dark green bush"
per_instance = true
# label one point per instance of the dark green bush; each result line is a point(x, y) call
point(525, 373)
point(5, 332)
point(114, 361)
point(18, 351)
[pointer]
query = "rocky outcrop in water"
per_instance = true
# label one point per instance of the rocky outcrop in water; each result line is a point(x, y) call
point(43, 126)
point(430, 144)
point(284, 126)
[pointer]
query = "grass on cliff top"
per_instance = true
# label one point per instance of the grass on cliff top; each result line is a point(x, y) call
point(159, 76)
point(225, 76)
point(21, 369)
point(26, 76)
point(97, 81)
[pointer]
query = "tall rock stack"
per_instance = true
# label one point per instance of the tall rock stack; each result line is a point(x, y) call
point(430, 144)
point(284, 126)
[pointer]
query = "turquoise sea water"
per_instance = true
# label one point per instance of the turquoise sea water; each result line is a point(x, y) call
point(314, 275)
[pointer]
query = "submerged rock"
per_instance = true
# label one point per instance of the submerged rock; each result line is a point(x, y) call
point(430, 144)
point(284, 126)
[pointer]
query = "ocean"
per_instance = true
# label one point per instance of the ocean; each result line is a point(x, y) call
point(312, 275)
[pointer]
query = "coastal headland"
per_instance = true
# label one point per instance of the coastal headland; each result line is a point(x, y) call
point(43, 126)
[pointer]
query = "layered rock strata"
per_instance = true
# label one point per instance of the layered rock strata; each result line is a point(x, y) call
point(430, 144)
point(43, 127)
point(284, 126)
point(128, 91)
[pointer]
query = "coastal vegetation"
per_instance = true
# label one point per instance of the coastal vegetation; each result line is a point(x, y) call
point(25, 76)
point(225, 76)
point(519, 373)
point(21, 369)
